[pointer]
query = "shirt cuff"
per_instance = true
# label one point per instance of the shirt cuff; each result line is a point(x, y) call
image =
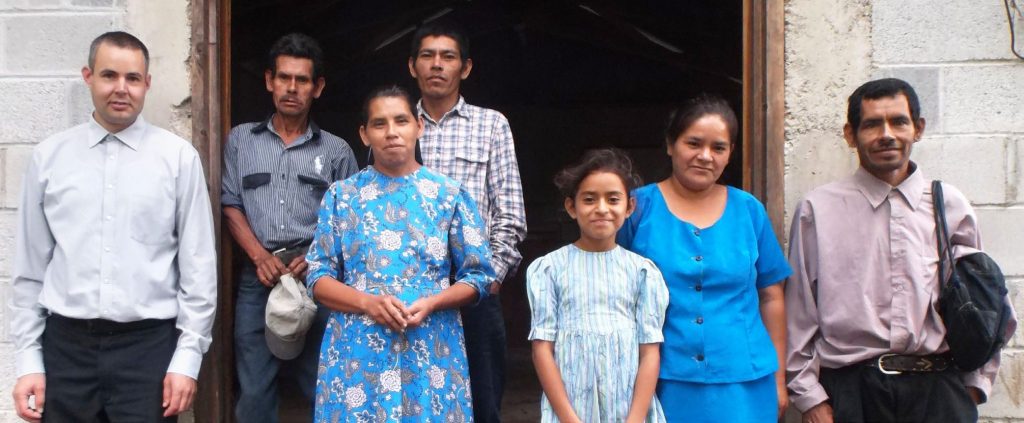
point(185, 362)
point(538, 334)
point(814, 396)
point(29, 362)
point(500, 269)
point(976, 380)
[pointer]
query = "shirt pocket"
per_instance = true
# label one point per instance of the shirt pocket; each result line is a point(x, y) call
point(152, 219)
point(471, 169)
point(313, 188)
point(255, 180)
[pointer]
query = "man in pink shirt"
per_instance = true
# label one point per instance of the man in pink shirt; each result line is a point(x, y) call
point(866, 342)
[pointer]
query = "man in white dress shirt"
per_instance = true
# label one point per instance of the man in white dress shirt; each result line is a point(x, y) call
point(114, 282)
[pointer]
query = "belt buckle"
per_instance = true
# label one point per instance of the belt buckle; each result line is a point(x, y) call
point(882, 369)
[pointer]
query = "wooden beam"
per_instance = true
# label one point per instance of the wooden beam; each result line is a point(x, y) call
point(216, 378)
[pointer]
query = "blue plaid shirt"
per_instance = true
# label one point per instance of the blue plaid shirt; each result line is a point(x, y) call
point(474, 146)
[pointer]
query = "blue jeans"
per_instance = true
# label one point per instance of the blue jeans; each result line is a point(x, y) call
point(257, 366)
point(484, 327)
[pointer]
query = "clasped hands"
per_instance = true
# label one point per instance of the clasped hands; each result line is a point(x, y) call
point(391, 312)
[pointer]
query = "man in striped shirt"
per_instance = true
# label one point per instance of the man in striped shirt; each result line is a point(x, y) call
point(275, 175)
point(474, 146)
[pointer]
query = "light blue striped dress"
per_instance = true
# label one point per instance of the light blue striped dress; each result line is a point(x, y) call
point(597, 307)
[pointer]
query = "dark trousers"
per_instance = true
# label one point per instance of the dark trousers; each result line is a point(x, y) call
point(257, 367)
point(484, 327)
point(860, 393)
point(101, 371)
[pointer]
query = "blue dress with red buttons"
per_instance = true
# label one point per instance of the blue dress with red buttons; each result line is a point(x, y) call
point(717, 361)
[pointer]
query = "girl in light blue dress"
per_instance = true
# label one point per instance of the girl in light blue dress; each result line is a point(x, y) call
point(397, 249)
point(597, 308)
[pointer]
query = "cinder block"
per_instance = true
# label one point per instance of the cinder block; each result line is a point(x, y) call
point(925, 81)
point(1016, 288)
point(8, 225)
point(1001, 229)
point(28, 4)
point(80, 105)
point(1015, 155)
point(1007, 398)
point(983, 99)
point(50, 43)
point(16, 159)
point(93, 3)
point(977, 165)
point(32, 109)
point(919, 31)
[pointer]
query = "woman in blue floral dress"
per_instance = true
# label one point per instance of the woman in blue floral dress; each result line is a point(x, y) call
point(389, 242)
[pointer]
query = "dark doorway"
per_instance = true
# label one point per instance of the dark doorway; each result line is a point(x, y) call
point(569, 75)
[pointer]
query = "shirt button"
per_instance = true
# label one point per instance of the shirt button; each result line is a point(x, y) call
point(107, 249)
point(700, 357)
point(110, 186)
point(106, 281)
point(698, 288)
point(699, 258)
point(282, 201)
point(282, 226)
point(700, 320)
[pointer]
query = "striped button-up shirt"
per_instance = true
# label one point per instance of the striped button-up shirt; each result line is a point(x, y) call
point(279, 187)
point(474, 146)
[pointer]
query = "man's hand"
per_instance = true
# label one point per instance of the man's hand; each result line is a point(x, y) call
point(179, 390)
point(494, 288)
point(821, 413)
point(26, 386)
point(298, 268)
point(420, 309)
point(269, 268)
point(386, 310)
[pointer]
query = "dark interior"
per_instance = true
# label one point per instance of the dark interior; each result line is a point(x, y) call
point(569, 75)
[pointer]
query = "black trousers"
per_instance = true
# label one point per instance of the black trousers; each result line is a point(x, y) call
point(860, 393)
point(484, 327)
point(102, 371)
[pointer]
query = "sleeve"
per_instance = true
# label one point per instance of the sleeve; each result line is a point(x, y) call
point(802, 361)
point(347, 165)
point(771, 265)
point(470, 251)
point(651, 304)
point(505, 192)
point(33, 249)
point(543, 297)
point(197, 267)
point(323, 254)
point(231, 180)
point(965, 237)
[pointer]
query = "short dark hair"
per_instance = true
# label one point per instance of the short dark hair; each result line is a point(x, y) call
point(680, 119)
point(609, 160)
point(879, 88)
point(437, 28)
point(386, 91)
point(297, 45)
point(119, 39)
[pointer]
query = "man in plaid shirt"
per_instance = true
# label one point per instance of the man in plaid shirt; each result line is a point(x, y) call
point(474, 146)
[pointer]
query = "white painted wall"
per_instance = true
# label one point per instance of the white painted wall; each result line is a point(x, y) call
point(43, 46)
point(957, 55)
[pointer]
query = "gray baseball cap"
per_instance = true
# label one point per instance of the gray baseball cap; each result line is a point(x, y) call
point(290, 313)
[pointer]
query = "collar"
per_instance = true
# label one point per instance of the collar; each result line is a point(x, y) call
point(312, 129)
point(457, 110)
point(876, 190)
point(130, 136)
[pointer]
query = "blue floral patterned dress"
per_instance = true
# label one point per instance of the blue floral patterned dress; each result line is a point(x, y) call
point(399, 236)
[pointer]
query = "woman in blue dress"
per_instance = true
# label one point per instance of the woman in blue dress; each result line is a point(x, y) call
point(388, 242)
point(722, 358)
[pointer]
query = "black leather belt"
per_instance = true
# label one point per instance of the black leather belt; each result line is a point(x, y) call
point(105, 327)
point(894, 364)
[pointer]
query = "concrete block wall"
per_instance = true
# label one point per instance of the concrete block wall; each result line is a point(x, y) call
point(957, 55)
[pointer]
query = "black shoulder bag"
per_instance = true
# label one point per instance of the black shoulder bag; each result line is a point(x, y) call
point(972, 299)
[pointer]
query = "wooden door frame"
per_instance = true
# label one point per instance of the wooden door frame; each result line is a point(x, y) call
point(763, 118)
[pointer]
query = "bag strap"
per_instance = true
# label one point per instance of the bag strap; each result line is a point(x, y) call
point(941, 233)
